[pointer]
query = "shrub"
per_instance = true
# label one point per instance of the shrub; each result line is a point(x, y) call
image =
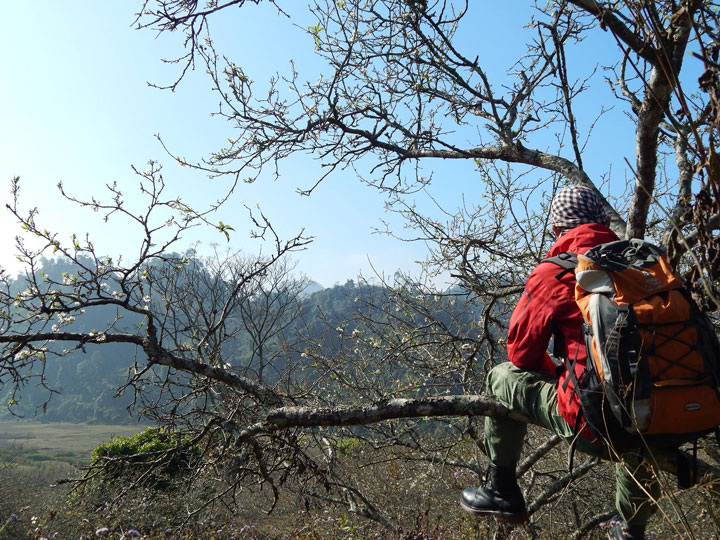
point(168, 455)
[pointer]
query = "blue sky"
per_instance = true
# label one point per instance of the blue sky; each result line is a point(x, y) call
point(75, 107)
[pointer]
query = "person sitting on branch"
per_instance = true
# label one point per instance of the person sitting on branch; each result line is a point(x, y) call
point(533, 384)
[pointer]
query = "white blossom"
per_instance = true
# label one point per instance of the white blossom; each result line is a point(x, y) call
point(63, 319)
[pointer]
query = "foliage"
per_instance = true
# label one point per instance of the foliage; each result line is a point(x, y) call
point(167, 455)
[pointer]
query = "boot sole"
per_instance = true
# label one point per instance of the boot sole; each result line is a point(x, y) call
point(508, 517)
point(615, 532)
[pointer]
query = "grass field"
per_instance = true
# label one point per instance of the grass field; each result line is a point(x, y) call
point(58, 441)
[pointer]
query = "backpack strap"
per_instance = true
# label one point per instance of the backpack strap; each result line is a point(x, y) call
point(687, 468)
point(571, 450)
point(570, 366)
point(567, 260)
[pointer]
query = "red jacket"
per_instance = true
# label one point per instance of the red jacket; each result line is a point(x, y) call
point(547, 307)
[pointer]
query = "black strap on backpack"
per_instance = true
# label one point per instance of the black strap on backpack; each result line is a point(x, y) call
point(571, 450)
point(567, 260)
point(687, 467)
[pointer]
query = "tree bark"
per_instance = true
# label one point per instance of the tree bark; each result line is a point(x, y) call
point(458, 405)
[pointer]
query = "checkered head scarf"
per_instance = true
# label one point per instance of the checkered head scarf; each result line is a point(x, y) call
point(575, 205)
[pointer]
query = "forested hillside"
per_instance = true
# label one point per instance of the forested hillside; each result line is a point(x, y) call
point(84, 383)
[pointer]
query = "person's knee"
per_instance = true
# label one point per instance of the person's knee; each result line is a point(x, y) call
point(498, 378)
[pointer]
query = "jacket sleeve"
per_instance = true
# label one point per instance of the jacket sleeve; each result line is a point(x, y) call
point(531, 323)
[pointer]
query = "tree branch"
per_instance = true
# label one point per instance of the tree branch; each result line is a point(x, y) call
point(457, 405)
point(608, 19)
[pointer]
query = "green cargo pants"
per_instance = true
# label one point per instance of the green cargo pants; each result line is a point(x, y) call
point(535, 395)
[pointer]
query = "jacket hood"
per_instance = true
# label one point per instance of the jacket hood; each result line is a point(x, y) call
point(582, 238)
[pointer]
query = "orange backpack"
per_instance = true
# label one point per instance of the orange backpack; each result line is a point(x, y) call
point(653, 365)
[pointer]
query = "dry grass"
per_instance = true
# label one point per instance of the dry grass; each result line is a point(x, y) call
point(60, 441)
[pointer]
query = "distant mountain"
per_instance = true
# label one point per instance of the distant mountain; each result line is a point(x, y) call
point(312, 288)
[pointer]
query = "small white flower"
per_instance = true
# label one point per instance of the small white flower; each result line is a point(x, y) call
point(27, 293)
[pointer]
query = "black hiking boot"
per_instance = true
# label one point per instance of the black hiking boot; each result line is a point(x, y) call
point(619, 530)
point(500, 497)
